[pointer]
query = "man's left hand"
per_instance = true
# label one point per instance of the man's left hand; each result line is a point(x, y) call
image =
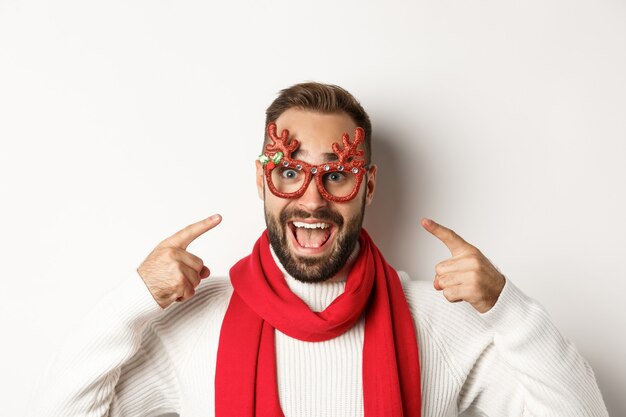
point(468, 275)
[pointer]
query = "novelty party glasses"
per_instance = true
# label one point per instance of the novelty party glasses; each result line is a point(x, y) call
point(337, 181)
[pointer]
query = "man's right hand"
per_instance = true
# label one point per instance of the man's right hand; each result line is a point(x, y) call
point(170, 272)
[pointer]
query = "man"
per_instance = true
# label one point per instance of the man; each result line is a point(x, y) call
point(315, 322)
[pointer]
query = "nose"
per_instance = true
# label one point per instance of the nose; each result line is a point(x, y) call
point(312, 200)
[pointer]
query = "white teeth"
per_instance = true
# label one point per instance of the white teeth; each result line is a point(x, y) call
point(312, 225)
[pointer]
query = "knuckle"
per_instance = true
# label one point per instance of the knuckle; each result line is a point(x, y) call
point(443, 279)
point(196, 258)
point(168, 253)
point(474, 261)
point(197, 263)
point(188, 293)
point(440, 268)
point(195, 279)
point(177, 270)
point(194, 261)
point(181, 280)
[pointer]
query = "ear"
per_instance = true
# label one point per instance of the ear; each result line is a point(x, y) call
point(371, 184)
point(260, 172)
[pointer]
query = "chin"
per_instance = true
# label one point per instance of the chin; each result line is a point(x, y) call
point(318, 260)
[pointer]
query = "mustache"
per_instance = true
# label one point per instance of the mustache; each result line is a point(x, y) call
point(323, 214)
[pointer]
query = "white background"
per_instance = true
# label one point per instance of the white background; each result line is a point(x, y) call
point(123, 121)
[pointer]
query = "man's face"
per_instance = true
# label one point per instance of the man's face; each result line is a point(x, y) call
point(311, 236)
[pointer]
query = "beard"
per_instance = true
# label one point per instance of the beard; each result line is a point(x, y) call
point(313, 269)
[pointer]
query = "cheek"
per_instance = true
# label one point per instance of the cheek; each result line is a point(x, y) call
point(274, 205)
point(349, 210)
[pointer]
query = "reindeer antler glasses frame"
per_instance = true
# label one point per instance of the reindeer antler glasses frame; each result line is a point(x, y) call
point(337, 181)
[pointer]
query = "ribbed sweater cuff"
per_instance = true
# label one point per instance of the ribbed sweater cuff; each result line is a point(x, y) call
point(512, 306)
point(132, 301)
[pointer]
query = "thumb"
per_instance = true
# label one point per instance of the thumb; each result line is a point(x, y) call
point(204, 273)
point(436, 284)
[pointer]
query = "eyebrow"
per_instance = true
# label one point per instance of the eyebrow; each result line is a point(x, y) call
point(299, 154)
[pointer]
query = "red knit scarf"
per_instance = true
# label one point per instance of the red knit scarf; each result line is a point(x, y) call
point(245, 379)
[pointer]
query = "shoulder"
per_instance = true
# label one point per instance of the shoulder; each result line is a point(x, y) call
point(208, 304)
point(428, 304)
point(455, 330)
point(214, 290)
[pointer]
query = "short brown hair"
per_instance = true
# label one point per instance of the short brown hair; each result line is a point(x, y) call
point(322, 98)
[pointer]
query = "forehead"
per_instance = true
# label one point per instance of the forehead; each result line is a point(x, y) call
point(315, 131)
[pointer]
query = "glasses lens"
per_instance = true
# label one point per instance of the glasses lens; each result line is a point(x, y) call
point(287, 180)
point(339, 183)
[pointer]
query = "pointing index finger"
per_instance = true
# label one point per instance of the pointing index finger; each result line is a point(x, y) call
point(454, 242)
point(184, 237)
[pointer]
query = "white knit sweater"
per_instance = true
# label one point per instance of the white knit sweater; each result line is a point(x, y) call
point(131, 358)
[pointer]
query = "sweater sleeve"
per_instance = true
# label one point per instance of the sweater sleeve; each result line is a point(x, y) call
point(530, 369)
point(84, 378)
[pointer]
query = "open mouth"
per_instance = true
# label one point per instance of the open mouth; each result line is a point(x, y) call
point(311, 234)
